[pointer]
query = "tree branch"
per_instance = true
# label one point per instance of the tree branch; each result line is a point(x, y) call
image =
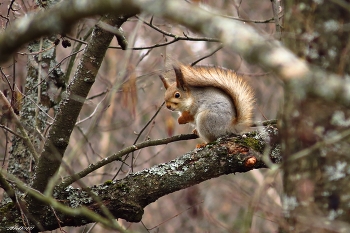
point(128, 197)
point(77, 91)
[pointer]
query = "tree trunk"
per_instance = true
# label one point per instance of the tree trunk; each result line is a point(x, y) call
point(315, 183)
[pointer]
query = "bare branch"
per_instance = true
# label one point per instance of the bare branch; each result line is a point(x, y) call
point(206, 56)
point(8, 189)
point(60, 131)
point(11, 131)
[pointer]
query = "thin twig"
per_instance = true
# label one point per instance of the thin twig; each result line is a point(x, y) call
point(117, 156)
point(6, 79)
point(8, 189)
point(11, 131)
point(98, 95)
point(169, 34)
point(206, 56)
point(58, 219)
point(165, 33)
point(8, 11)
point(94, 112)
point(137, 138)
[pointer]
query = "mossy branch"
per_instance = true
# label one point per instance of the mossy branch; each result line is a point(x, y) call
point(118, 156)
point(127, 198)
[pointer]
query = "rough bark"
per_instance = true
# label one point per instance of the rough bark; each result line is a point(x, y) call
point(21, 162)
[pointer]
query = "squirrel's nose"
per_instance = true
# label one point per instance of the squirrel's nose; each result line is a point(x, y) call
point(168, 106)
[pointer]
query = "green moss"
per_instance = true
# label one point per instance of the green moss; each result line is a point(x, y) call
point(6, 208)
point(253, 140)
point(10, 216)
point(108, 182)
point(122, 186)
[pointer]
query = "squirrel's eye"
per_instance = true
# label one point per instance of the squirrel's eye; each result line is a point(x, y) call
point(177, 95)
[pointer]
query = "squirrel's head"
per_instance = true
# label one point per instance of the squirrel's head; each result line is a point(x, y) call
point(177, 94)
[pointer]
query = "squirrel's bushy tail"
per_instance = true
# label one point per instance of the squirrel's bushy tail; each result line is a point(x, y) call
point(229, 82)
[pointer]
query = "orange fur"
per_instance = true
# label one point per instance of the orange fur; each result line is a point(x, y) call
point(185, 118)
point(215, 100)
point(228, 81)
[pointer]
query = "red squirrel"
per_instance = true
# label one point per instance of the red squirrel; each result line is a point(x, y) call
point(215, 100)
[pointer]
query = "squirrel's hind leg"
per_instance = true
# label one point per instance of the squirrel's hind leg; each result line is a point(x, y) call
point(210, 124)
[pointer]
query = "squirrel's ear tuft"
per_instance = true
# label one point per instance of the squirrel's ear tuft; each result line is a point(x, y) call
point(180, 81)
point(165, 83)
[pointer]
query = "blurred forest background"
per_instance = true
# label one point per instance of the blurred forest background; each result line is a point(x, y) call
point(125, 98)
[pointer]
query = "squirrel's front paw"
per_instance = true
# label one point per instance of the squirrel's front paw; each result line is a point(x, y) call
point(185, 118)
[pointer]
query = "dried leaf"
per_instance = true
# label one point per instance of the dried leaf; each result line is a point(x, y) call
point(170, 125)
point(129, 90)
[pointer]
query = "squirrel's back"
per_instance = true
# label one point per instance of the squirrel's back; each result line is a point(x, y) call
point(228, 81)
